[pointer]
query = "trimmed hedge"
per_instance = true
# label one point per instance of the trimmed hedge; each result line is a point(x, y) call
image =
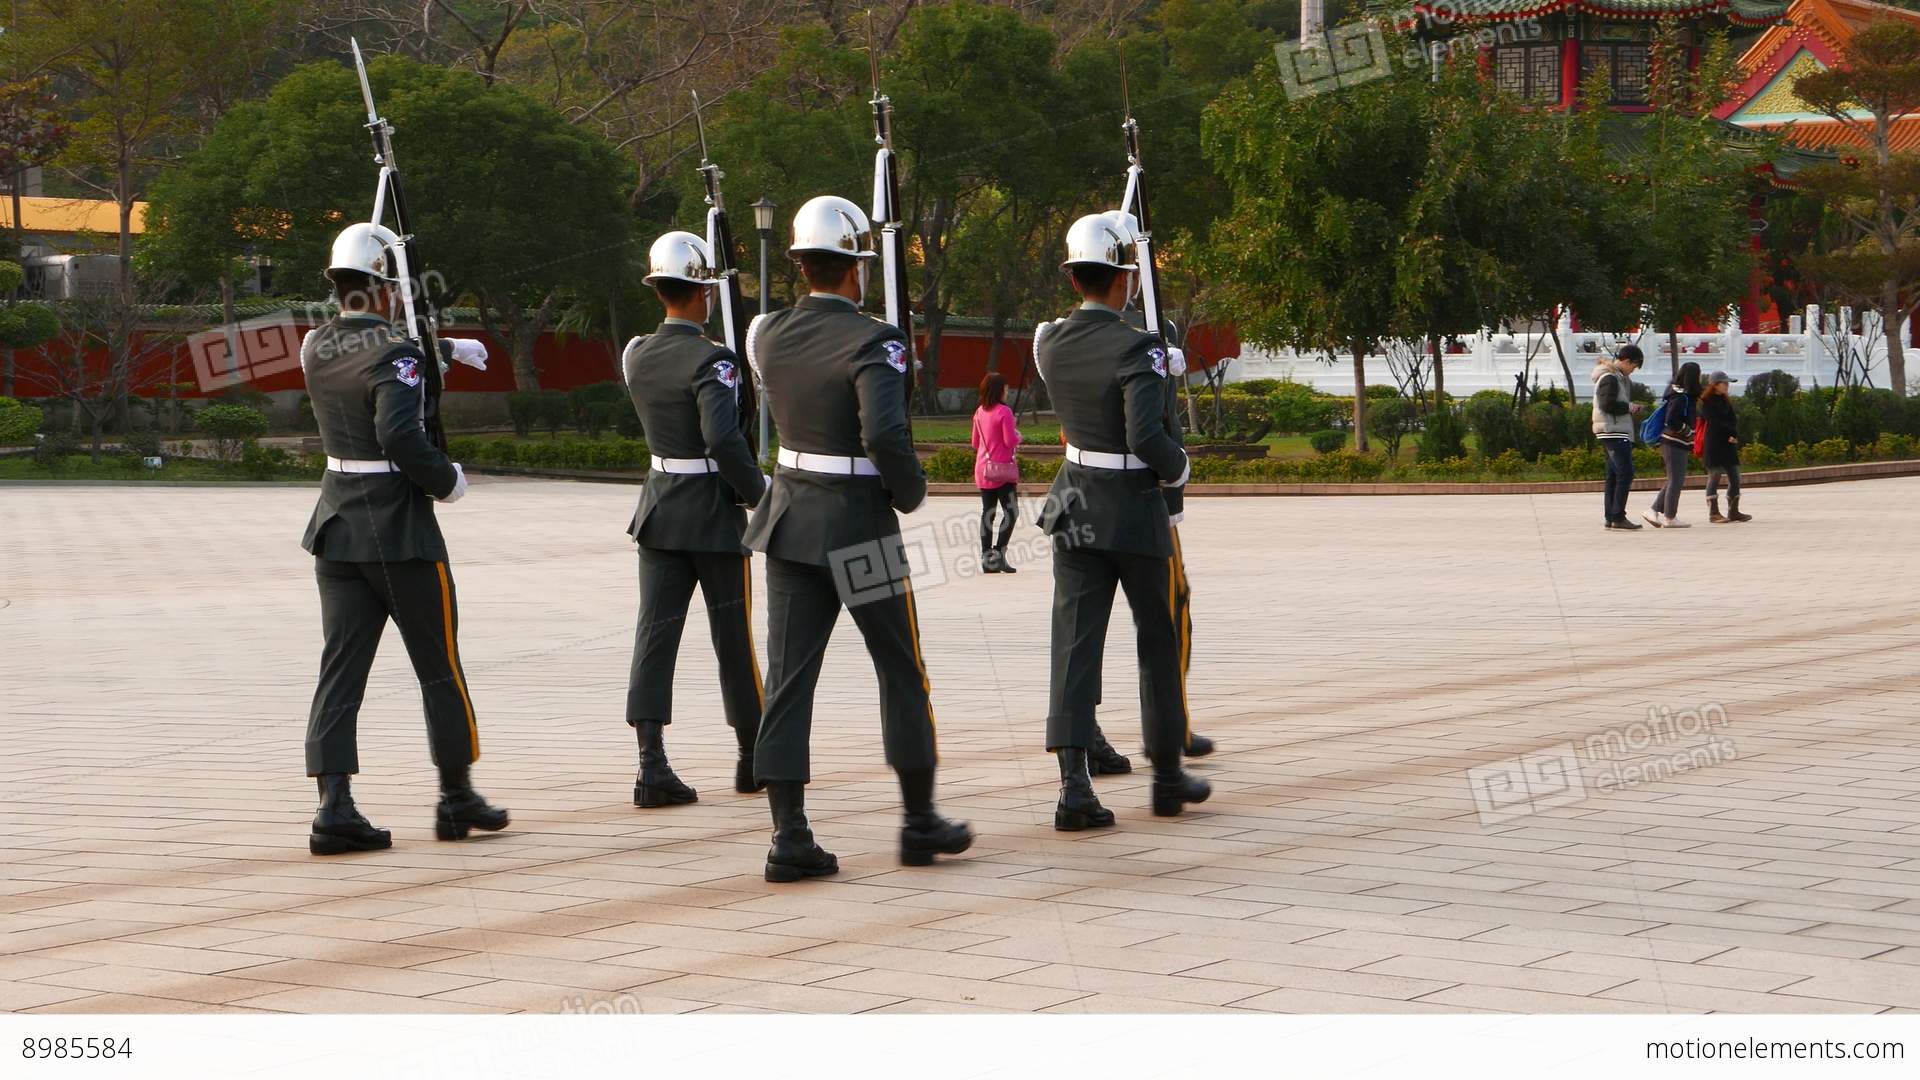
point(599, 454)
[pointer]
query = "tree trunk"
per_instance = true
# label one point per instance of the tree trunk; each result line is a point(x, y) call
point(1894, 325)
point(6, 372)
point(1673, 349)
point(1439, 373)
point(994, 342)
point(929, 375)
point(1560, 349)
point(1360, 396)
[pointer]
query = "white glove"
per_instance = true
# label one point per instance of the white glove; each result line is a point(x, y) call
point(1175, 519)
point(459, 485)
point(469, 352)
point(1176, 360)
point(1186, 470)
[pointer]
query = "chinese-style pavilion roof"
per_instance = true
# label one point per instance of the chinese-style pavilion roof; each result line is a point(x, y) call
point(1740, 12)
point(1624, 133)
point(1813, 38)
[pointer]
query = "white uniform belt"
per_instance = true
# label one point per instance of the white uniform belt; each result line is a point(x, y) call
point(830, 464)
point(360, 465)
point(1094, 459)
point(684, 466)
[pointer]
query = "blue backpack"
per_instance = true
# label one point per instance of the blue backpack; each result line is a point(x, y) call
point(1652, 426)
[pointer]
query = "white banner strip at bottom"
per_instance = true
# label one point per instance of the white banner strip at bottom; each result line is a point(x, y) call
point(468, 1047)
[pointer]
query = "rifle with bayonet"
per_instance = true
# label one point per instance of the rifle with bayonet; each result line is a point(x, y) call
point(886, 218)
point(421, 318)
point(1134, 201)
point(733, 309)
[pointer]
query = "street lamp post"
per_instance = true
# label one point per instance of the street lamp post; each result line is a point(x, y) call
point(763, 209)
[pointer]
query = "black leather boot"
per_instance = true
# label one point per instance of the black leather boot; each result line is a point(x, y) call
point(1079, 807)
point(743, 778)
point(462, 809)
point(338, 827)
point(1103, 759)
point(926, 833)
point(656, 785)
point(1173, 788)
point(1733, 510)
point(1000, 560)
point(794, 855)
point(1199, 745)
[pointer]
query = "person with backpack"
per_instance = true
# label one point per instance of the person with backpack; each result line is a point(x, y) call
point(1671, 428)
point(1613, 412)
point(995, 472)
point(1719, 447)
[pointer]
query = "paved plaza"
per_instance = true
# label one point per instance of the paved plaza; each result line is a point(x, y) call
point(1476, 753)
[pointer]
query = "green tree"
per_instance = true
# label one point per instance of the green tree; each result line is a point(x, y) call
point(1320, 188)
point(1876, 83)
point(513, 207)
point(24, 324)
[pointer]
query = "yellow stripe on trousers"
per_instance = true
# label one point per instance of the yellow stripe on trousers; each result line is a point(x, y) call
point(919, 663)
point(746, 587)
point(453, 660)
point(1176, 583)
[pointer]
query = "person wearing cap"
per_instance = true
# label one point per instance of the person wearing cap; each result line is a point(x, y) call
point(836, 380)
point(691, 517)
point(1721, 448)
point(377, 549)
point(1109, 524)
point(1613, 413)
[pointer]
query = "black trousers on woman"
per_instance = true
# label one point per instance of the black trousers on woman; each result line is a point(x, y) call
point(1003, 499)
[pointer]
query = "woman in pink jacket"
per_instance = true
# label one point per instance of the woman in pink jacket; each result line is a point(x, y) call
point(995, 472)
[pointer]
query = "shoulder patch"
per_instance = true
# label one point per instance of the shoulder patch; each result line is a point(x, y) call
point(728, 375)
point(896, 355)
point(408, 368)
point(1157, 356)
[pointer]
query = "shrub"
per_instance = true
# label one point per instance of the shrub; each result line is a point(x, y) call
point(1763, 389)
point(1327, 442)
point(18, 420)
point(265, 462)
point(1507, 465)
point(1445, 437)
point(246, 395)
point(1242, 416)
point(1541, 428)
point(950, 465)
point(1389, 419)
point(1296, 407)
point(1759, 456)
point(1647, 461)
point(233, 427)
point(523, 408)
point(1263, 387)
point(600, 416)
point(1040, 470)
point(582, 399)
point(1453, 468)
point(1342, 466)
point(626, 424)
point(54, 448)
point(1829, 451)
point(553, 410)
point(1381, 392)
point(141, 444)
point(1893, 446)
point(1581, 463)
point(1489, 414)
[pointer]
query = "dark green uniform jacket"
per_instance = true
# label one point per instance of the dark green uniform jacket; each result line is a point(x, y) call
point(836, 381)
point(1109, 386)
point(364, 379)
point(685, 389)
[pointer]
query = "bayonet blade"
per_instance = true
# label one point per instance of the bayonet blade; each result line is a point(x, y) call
point(700, 126)
point(366, 88)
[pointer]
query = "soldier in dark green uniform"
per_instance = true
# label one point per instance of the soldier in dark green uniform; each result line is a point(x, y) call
point(688, 526)
point(377, 549)
point(836, 381)
point(1109, 522)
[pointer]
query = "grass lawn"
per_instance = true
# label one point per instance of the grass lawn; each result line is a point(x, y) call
point(115, 467)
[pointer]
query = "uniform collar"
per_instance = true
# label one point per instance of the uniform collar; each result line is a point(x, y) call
point(1088, 311)
point(363, 316)
point(822, 301)
point(671, 325)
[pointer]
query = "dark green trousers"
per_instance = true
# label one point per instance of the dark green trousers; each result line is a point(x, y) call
point(356, 600)
point(1084, 583)
point(803, 603)
point(667, 579)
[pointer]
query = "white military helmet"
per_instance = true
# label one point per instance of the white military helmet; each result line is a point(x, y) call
point(1127, 224)
point(832, 224)
point(680, 256)
point(365, 247)
point(1098, 240)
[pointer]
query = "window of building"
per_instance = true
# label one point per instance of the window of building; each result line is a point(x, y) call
point(1627, 65)
point(1529, 72)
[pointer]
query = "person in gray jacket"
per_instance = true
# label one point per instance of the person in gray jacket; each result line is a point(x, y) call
point(1613, 413)
point(377, 549)
point(688, 526)
point(835, 379)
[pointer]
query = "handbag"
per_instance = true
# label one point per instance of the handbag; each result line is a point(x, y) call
point(1000, 473)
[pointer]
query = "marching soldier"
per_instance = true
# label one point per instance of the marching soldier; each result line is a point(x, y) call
point(1110, 525)
point(1102, 758)
point(690, 519)
point(835, 379)
point(378, 552)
